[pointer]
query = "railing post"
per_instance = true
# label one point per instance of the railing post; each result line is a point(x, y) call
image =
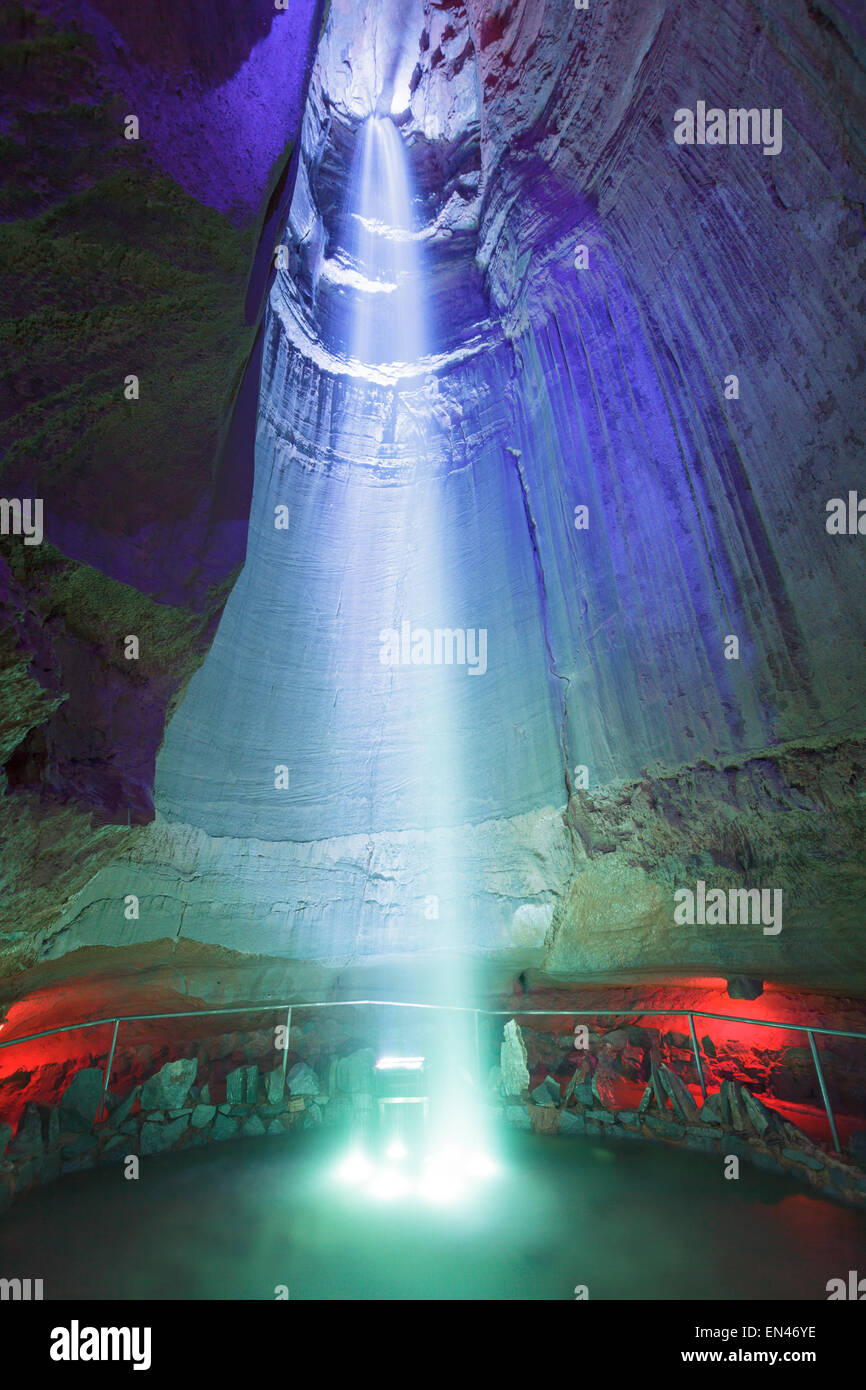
point(826, 1099)
point(286, 1048)
point(697, 1057)
point(109, 1064)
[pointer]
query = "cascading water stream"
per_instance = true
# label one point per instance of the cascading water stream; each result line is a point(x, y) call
point(387, 325)
point(344, 803)
point(387, 308)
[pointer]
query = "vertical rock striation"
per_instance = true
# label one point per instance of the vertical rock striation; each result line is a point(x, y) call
point(448, 493)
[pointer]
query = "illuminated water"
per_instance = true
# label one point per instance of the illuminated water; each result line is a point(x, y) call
point(631, 1221)
point(386, 310)
point(384, 289)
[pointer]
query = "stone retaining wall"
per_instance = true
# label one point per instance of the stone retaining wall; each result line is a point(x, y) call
point(730, 1122)
point(170, 1113)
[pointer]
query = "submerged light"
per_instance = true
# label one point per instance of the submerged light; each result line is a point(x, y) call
point(355, 1168)
point(480, 1166)
point(442, 1178)
point(388, 1184)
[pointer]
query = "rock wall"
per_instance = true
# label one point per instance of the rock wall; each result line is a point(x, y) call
point(608, 642)
point(169, 1093)
point(780, 1150)
point(789, 818)
point(166, 1114)
point(580, 486)
point(117, 261)
point(218, 88)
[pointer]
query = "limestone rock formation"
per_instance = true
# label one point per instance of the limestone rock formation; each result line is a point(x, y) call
point(512, 1061)
point(673, 647)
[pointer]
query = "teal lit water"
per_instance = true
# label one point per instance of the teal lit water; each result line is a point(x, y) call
point(630, 1221)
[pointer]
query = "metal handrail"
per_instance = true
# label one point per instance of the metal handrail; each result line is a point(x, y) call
point(690, 1014)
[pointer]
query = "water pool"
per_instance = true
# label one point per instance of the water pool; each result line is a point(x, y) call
point(236, 1220)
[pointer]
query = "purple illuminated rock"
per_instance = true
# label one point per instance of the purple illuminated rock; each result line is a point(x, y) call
point(446, 494)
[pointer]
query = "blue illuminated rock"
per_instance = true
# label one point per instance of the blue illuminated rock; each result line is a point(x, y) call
point(354, 1074)
point(157, 1138)
point(170, 1087)
point(236, 1086)
point(570, 1123)
point(28, 1141)
point(513, 1060)
point(122, 1108)
point(81, 1100)
point(856, 1147)
point(548, 1093)
point(224, 1127)
point(275, 1085)
point(563, 471)
point(302, 1080)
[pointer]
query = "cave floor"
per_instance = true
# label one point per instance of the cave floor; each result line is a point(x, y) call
point(237, 1220)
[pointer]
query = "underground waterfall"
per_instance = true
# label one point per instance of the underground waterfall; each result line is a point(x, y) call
point(431, 757)
point(386, 311)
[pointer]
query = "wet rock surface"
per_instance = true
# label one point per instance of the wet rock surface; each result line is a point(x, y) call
point(557, 388)
point(108, 251)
